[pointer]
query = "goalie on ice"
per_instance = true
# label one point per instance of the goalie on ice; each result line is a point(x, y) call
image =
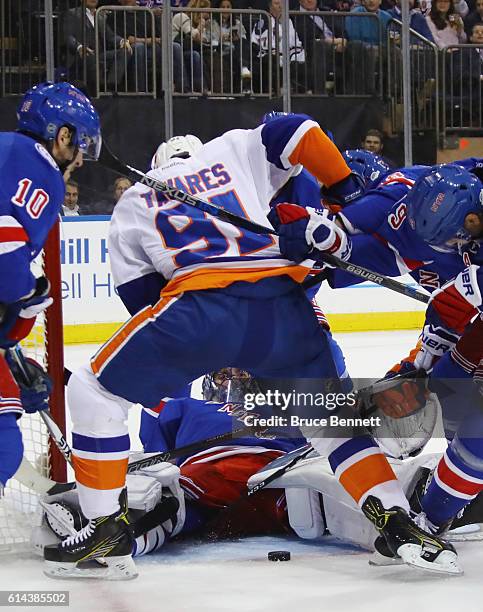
point(204, 496)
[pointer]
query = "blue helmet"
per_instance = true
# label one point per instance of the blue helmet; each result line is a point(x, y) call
point(369, 166)
point(48, 106)
point(439, 202)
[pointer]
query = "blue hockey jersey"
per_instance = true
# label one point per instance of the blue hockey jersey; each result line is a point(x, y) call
point(383, 241)
point(185, 421)
point(31, 195)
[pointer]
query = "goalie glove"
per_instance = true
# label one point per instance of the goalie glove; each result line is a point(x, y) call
point(305, 232)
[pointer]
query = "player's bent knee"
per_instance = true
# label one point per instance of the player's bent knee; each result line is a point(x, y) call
point(90, 404)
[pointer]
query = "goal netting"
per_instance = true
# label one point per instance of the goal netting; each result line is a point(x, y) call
point(19, 506)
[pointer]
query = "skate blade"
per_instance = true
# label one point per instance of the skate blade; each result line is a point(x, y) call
point(446, 562)
point(466, 533)
point(379, 560)
point(107, 568)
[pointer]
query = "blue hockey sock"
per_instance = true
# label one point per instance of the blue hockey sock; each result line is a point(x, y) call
point(11, 446)
point(458, 477)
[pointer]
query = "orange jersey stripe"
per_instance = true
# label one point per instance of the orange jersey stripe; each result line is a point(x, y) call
point(102, 475)
point(130, 327)
point(320, 156)
point(217, 278)
point(365, 474)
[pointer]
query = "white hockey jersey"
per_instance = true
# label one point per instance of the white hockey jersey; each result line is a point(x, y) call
point(240, 171)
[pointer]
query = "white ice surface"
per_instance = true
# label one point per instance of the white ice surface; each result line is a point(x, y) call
point(323, 576)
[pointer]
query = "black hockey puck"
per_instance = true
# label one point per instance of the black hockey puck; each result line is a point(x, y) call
point(279, 555)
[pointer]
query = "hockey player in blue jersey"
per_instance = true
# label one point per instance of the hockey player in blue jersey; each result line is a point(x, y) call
point(452, 353)
point(381, 238)
point(55, 122)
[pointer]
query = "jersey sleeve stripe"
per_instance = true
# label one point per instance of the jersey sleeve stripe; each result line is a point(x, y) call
point(319, 155)
point(294, 141)
point(13, 234)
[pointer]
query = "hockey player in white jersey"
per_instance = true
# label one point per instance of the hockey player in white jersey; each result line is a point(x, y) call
point(227, 297)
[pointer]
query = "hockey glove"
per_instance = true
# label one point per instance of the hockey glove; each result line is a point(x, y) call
point(19, 318)
point(305, 231)
point(345, 191)
point(435, 341)
point(34, 394)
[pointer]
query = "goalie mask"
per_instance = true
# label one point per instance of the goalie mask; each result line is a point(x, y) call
point(407, 436)
point(228, 385)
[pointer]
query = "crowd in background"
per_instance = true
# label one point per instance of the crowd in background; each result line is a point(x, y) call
point(232, 53)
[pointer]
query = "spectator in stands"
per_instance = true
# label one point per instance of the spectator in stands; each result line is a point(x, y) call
point(460, 6)
point(188, 29)
point(231, 49)
point(417, 21)
point(121, 184)
point(80, 40)
point(263, 45)
point(320, 45)
point(70, 207)
point(136, 27)
point(365, 36)
point(466, 74)
point(373, 141)
point(446, 24)
point(474, 17)
point(367, 30)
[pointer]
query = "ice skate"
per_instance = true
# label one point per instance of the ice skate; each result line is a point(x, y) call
point(101, 549)
point(405, 539)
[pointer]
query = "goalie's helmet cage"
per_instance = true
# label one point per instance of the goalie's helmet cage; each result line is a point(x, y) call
point(19, 508)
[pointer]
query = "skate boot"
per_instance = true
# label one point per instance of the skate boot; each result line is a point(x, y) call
point(405, 539)
point(101, 549)
point(466, 526)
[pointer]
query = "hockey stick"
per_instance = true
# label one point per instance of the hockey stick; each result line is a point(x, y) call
point(215, 528)
point(298, 454)
point(109, 160)
point(46, 486)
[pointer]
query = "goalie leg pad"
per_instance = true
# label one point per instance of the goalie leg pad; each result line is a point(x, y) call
point(304, 513)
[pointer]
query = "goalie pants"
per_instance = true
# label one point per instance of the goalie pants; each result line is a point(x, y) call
point(268, 328)
point(217, 483)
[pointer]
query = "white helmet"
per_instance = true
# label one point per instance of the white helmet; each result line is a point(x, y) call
point(178, 146)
